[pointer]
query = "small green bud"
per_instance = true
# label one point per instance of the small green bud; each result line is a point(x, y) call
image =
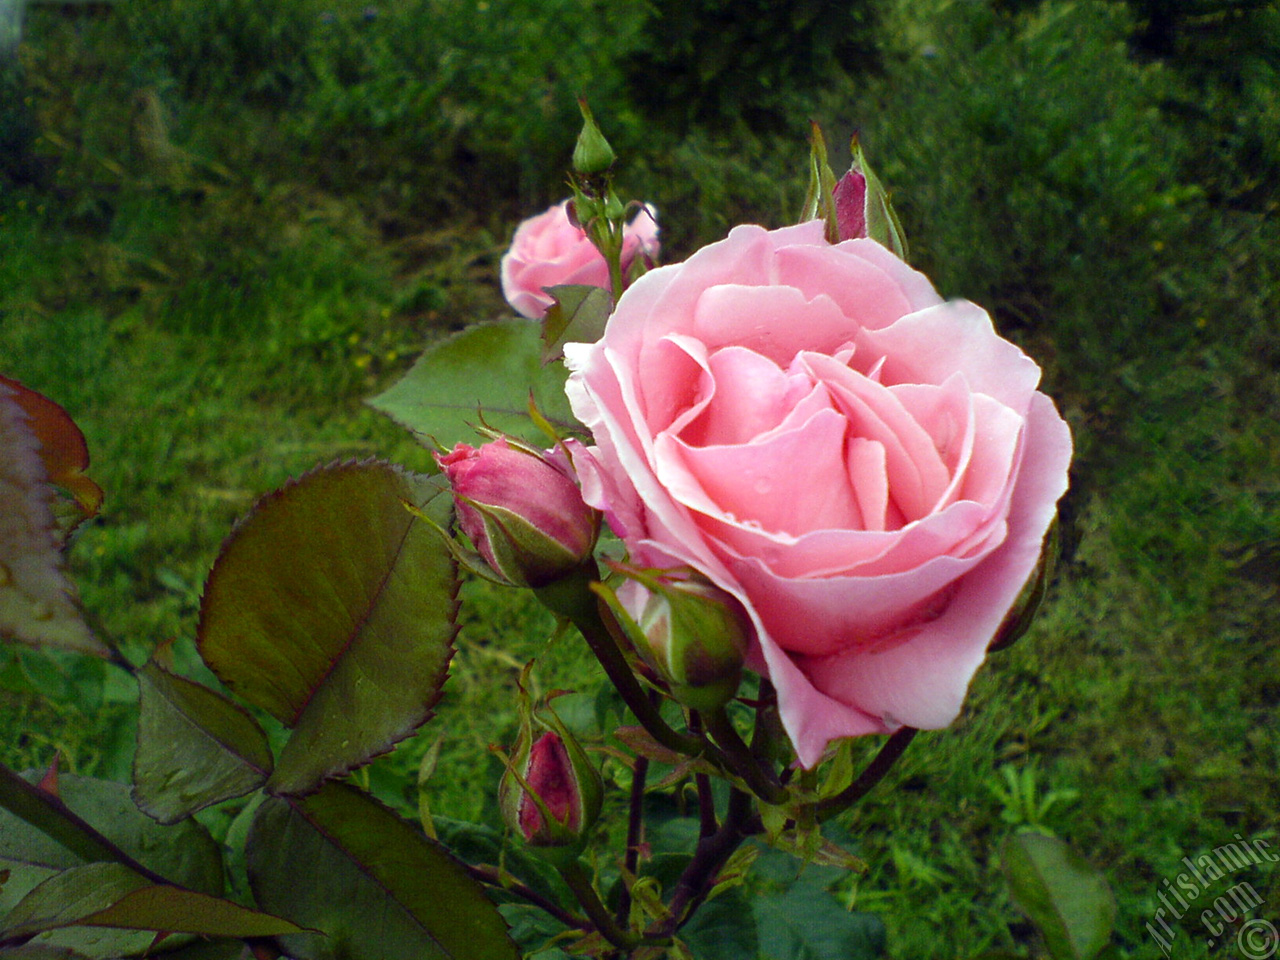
point(819, 202)
point(592, 155)
point(692, 633)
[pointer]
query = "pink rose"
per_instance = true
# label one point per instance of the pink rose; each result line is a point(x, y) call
point(870, 470)
point(549, 250)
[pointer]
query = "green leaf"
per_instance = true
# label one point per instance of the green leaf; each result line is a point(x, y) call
point(201, 950)
point(37, 826)
point(804, 922)
point(342, 863)
point(90, 943)
point(195, 747)
point(486, 370)
point(716, 931)
point(33, 952)
point(478, 843)
point(1069, 901)
point(94, 820)
point(579, 314)
point(36, 600)
point(62, 447)
point(333, 608)
point(112, 895)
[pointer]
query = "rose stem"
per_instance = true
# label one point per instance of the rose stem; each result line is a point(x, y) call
point(709, 857)
point(765, 704)
point(763, 782)
point(615, 271)
point(893, 748)
point(706, 802)
point(490, 875)
point(635, 823)
point(585, 892)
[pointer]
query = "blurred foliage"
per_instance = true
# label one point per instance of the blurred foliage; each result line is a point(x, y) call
point(423, 99)
point(746, 64)
point(1037, 177)
point(18, 166)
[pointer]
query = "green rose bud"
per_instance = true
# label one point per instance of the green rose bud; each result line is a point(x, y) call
point(592, 154)
point(692, 633)
point(862, 207)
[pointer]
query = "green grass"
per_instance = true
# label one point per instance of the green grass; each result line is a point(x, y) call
point(216, 334)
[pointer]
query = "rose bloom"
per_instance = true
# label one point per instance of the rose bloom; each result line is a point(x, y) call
point(869, 469)
point(548, 250)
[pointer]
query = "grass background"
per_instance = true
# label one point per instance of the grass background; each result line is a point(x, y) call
point(223, 224)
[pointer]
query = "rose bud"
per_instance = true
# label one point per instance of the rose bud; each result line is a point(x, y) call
point(592, 153)
point(692, 633)
point(851, 205)
point(523, 513)
point(551, 792)
point(863, 209)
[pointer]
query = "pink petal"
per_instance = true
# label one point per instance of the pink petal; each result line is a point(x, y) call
point(752, 396)
point(931, 345)
point(823, 615)
point(869, 479)
point(991, 462)
point(625, 485)
point(917, 475)
point(776, 322)
point(755, 482)
point(811, 718)
point(922, 682)
point(871, 286)
point(678, 387)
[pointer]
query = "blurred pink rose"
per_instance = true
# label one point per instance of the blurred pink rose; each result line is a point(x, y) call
point(548, 250)
point(870, 470)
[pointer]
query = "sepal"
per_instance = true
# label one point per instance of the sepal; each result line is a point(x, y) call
point(1020, 616)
